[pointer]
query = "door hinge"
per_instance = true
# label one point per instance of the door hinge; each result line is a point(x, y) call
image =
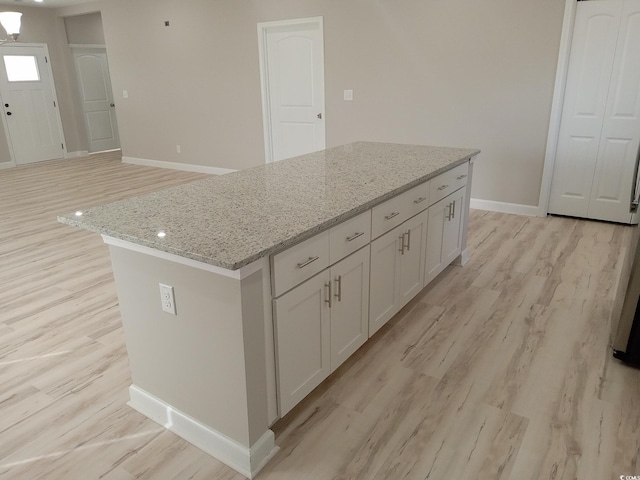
point(54, 104)
point(62, 145)
point(46, 60)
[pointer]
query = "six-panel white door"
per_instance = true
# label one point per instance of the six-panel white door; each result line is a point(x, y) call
point(618, 150)
point(599, 131)
point(29, 106)
point(96, 96)
point(293, 84)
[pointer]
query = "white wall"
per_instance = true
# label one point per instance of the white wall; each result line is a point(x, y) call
point(84, 29)
point(459, 73)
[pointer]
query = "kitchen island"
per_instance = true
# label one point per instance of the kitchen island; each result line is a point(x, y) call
point(273, 276)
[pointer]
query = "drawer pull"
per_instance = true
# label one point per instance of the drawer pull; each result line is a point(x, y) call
point(443, 187)
point(354, 236)
point(460, 177)
point(420, 200)
point(311, 260)
point(391, 215)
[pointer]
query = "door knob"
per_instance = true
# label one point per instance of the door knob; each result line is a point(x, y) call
point(8, 113)
point(319, 116)
point(6, 104)
point(113, 104)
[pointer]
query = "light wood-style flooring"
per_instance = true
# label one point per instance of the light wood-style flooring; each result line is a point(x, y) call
point(500, 370)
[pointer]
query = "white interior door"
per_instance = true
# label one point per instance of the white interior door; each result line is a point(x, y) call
point(598, 140)
point(618, 150)
point(96, 96)
point(30, 110)
point(292, 64)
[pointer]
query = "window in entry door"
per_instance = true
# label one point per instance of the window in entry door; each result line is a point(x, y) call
point(21, 68)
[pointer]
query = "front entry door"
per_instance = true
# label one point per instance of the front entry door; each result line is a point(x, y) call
point(96, 96)
point(292, 64)
point(29, 106)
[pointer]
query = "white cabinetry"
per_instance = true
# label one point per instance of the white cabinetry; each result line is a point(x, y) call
point(444, 237)
point(302, 340)
point(319, 324)
point(335, 290)
point(397, 269)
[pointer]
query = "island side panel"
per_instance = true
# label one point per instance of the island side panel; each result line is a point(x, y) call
point(195, 360)
point(255, 353)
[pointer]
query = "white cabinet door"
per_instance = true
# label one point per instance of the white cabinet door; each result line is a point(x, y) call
point(434, 263)
point(302, 336)
point(385, 288)
point(350, 306)
point(444, 233)
point(412, 262)
point(451, 237)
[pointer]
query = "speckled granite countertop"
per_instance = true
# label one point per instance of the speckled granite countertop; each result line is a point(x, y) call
point(232, 220)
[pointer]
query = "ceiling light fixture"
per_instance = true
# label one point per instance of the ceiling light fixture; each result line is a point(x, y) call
point(11, 23)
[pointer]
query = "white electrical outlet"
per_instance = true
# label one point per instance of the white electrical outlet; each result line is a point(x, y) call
point(178, 149)
point(167, 298)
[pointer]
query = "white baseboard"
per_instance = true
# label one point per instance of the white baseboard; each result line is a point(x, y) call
point(246, 461)
point(7, 165)
point(78, 154)
point(187, 167)
point(503, 207)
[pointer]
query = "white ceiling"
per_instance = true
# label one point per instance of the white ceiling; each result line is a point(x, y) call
point(45, 3)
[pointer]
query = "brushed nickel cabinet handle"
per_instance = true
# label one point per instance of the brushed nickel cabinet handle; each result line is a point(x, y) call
point(354, 236)
point(443, 187)
point(420, 200)
point(339, 282)
point(461, 177)
point(449, 212)
point(453, 215)
point(401, 244)
point(328, 300)
point(391, 215)
point(408, 240)
point(307, 262)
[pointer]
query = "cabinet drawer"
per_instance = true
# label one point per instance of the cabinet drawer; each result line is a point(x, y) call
point(300, 262)
point(417, 199)
point(459, 176)
point(448, 182)
point(349, 236)
point(388, 215)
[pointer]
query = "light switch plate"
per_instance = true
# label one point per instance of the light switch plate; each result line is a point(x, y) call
point(348, 95)
point(125, 94)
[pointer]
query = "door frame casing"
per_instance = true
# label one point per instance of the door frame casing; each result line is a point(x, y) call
point(562, 70)
point(263, 29)
point(44, 46)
